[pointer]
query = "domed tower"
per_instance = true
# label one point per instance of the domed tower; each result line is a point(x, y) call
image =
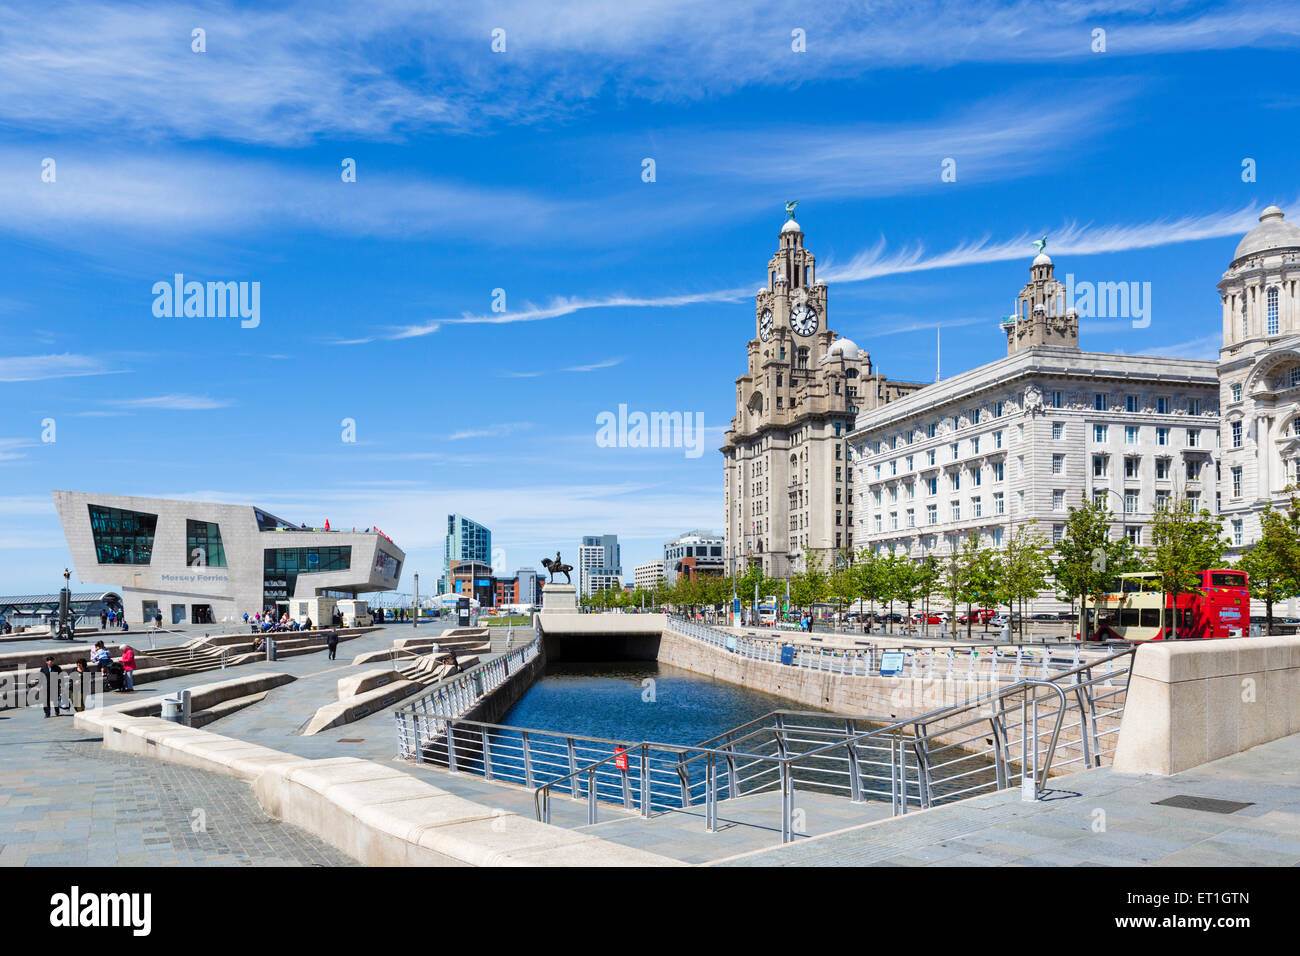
point(1042, 316)
point(1259, 376)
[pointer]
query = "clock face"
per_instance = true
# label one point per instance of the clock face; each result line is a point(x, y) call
point(765, 325)
point(804, 319)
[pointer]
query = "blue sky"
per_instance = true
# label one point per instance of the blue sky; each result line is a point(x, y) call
point(522, 171)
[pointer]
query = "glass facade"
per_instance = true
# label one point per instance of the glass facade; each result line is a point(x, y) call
point(121, 536)
point(281, 567)
point(203, 547)
point(387, 565)
point(467, 541)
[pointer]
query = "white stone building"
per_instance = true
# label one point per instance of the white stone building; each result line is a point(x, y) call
point(198, 562)
point(694, 552)
point(1259, 375)
point(647, 576)
point(788, 486)
point(1019, 440)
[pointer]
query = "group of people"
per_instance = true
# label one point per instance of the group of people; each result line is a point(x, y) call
point(111, 619)
point(69, 691)
point(269, 623)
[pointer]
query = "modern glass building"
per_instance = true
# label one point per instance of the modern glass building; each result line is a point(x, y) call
point(600, 563)
point(194, 561)
point(467, 541)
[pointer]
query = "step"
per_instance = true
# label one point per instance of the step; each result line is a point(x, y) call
point(225, 708)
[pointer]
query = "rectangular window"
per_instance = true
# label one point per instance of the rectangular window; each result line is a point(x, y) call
point(955, 479)
point(1272, 311)
point(1058, 500)
point(1130, 403)
point(1099, 434)
point(954, 451)
point(203, 546)
point(999, 503)
point(1193, 406)
point(1193, 438)
point(1236, 434)
point(1162, 500)
point(1130, 435)
point(1058, 464)
point(1058, 431)
point(1236, 531)
point(1100, 401)
point(931, 430)
point(1058, 400)
point(977, 475)
point(1162, 436)
point(997, 439)
point(930, 456)
point(1132, 467)
point(998, 468)
point(1162, 405)
point(1099, 466)
point(1162, 468)
point(1130, 501)
point(1193, 471)
point(975, 446)
point(932, 486)
point(911, 518)
point(975, 416)
point(1058, 533)
point(1236, 482)
point(997, 409)
point(975, 507)
point(1236, 392)
point(956, 511)
point(932, 514)
point(121, 536)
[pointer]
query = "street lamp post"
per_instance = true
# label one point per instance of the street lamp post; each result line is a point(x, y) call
point(415, 617)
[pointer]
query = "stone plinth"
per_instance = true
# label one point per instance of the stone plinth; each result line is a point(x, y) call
point(559, 598)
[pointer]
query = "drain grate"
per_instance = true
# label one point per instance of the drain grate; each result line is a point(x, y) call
point(1209, 804)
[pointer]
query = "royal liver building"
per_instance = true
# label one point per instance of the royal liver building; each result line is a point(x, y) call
point(787, 472)
point(1259, 376)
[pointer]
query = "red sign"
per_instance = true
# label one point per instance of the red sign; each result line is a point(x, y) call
point(620, 758)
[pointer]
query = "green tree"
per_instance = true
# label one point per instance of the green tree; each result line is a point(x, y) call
point(929, 576)
point(1272, 564)
point(903, 579)
point(810, 585)
point(1025, 568)
point(1088, 558)
point(1184, 542)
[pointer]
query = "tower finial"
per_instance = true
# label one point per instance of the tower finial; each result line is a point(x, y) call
point(789, 208)
point(1040, 244)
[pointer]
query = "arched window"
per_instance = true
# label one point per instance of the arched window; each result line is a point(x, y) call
point(1272, 311)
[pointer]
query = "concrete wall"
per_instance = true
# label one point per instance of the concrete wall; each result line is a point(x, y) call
point(1193, 702)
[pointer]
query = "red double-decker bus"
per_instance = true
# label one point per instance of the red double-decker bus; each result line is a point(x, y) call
point(1136, 609)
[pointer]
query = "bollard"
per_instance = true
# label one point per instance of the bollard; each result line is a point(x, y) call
point(185, 707)
point(270, 648)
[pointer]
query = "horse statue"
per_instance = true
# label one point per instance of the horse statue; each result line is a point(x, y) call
point(557, 567)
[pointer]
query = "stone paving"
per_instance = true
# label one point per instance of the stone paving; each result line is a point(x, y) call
point(66, 801)
point(1095, 818)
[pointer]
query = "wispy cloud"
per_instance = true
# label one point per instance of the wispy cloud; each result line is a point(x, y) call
point(173, 402)
point(558, 307)
point(194, 194)
point(35, 368)
point(503, 430)
point(298, 71)
point(1070, 239)
point(593, 367)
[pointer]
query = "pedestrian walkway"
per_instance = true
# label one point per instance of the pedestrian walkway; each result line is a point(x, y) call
point(1237, 811)
point(67, 801)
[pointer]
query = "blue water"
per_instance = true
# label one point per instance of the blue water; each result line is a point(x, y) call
point(638, 700)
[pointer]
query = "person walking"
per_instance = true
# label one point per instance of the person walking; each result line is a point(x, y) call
point(332, 642)
point(128, 666)
point(103, 620)
point(51, 685)
point(157, 620)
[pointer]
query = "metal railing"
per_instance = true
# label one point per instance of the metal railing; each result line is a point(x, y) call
point(1012, 735)
point(972, 662)
point(426, 717)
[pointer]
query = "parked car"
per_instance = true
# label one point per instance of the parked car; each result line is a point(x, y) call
point(979, 615)
point(934, 617)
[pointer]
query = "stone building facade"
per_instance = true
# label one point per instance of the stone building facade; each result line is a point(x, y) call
point(1259, 374)
point(788, 484)
point(1019, 440)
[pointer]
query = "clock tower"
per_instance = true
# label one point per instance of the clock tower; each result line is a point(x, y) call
point(788, 484)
